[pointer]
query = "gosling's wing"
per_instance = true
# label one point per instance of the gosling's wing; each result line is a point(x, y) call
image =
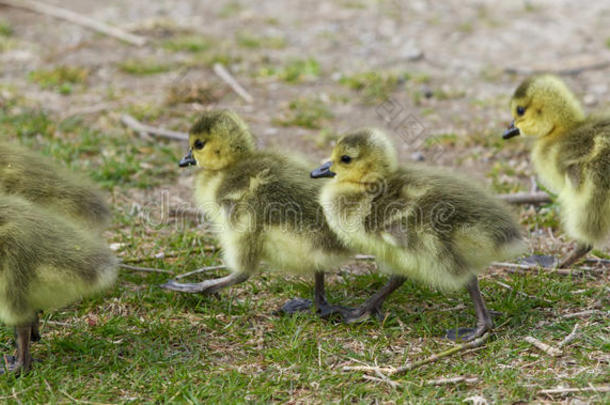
point(38, 179)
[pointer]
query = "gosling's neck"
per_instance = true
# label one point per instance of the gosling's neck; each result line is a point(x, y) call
point(569, 117)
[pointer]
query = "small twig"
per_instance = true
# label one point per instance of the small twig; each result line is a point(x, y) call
point(144, 269)
point(581, 314)
point(568, 339)
point(201, 270)
point(383, 379)
point(550, 350)
point(369, 368)
point(570, 390)
point(140, 128)
point(453, 380)
point(76, 18)
point(563, 272)
point(503, 285)
point(459, 348)
point(15, 393)
point(560, 72)
point(408, 367)
point(224, 74)
point(598, 261)
point(91, 109)
point(526, 198)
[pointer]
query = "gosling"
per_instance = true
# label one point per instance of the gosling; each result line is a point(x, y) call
point(40, 181)
point(419, 223)
point(571, 154)
point(46, 262)
point(264, 207)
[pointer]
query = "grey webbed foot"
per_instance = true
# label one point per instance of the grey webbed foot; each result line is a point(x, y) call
point(326, 311)
point(360, 314)
point(466, 334)
point(295, 305)
point(12, 366)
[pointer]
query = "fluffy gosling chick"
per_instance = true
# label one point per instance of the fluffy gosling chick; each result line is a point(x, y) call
point(39, 180)
point(46, 262)
point(420, 223)
point(263, 205)
point(571, 154)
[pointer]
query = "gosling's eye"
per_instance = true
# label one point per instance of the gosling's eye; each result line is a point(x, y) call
point(520, 110)
point(199, 144)
point(346, 159)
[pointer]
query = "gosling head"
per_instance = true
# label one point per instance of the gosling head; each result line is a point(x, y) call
point(217, 140)
point(542, 106)
point(361, 157)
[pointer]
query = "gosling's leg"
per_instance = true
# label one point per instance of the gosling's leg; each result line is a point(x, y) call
point(22, 362)
point(373, 305)
point(484, 322)
point(207, 286)
point(323, 308)
point(35, 336)
point(575, 255)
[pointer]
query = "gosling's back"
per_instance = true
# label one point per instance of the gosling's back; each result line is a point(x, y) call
point(584, 159)
point(46, 261)
point(37, 179)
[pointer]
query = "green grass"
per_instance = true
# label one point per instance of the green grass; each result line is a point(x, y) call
point(138, 343)
point(143, 67)
point(373, 86)
point(6, 30)
point(294, 71)
point(608, 43)
point(188, 43)
point(113, 160)
point(304, 112)
point(62, 78)
point(248, 40)
point(230, 9)
point(144, 343)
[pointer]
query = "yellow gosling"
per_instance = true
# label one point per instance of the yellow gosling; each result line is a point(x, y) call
point(263, 206)
point(420, 223)
point(571, 154)
point(46, 262)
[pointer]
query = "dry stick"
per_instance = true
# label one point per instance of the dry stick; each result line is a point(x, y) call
point(526, 198)
point(224, 74)
point(598, 261)
point(501, 284)
point(459, 348)
point(569, 390)
point(550, 350)
point(453, 380)
point(563, 272)
point(581, 314)
point(392, 371)
point(560, 72)
point(568, 339)
point(76, 18)
point(140, 128)
point(201, 270)
point(144, 269)
point(91, 109)
point(383, 379)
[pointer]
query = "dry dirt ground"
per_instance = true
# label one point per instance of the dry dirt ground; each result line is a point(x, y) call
point(437, 76)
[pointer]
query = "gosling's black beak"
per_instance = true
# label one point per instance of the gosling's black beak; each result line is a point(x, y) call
point(323, 171)
point(188, 160)
point(511, 132)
